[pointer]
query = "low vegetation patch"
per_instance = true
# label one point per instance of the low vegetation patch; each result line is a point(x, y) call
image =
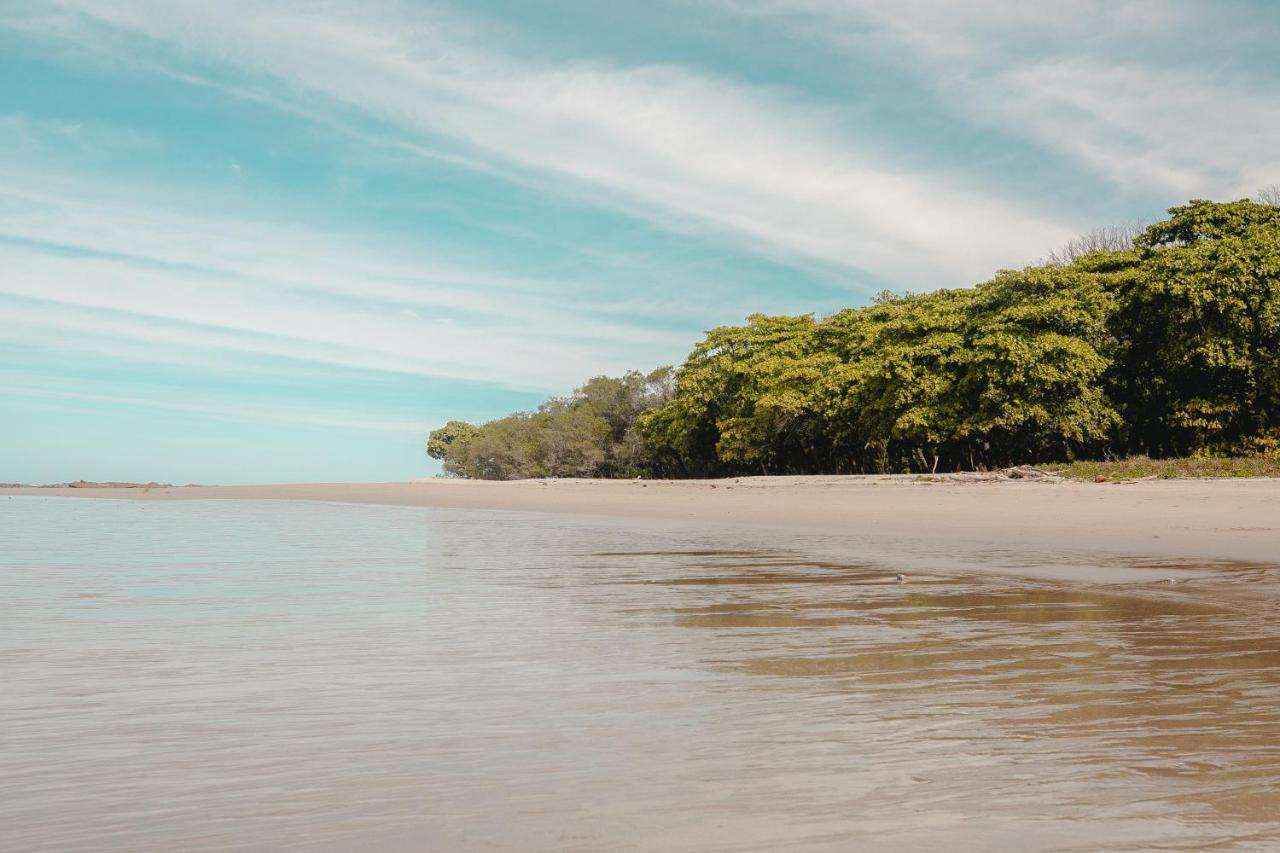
point(1142, 468)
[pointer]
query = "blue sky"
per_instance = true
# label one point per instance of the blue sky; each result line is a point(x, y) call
point(255, 241)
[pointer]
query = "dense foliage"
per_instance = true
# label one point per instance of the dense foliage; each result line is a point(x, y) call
point(1164, 342)
point(589, 434)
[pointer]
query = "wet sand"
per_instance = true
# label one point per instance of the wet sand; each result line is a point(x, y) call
point(1067, 530)
point(279, 675)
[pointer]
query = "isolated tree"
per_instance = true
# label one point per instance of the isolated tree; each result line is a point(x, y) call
point(505, 449)
point(742, 400)
point(1199, 318)
point(449, 443)
point(1112, 238)
point(886, 403)
point(1036, 348)
point(568, 441)
point(1269, 195)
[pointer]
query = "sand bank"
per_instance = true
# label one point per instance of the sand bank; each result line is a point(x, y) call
point(1104, 532)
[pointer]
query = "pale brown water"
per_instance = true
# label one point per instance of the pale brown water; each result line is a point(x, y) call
point(286, 676)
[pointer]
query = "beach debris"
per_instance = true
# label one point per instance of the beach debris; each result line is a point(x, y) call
point(900, 578)
point(1018, 472)
point(1029, 472)
point(1169, 580)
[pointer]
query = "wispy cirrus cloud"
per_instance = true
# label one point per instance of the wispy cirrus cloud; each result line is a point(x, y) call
point(1150, 95)
point(765, 166)
point(114, 272)
point(294, 415)
point(980, 31)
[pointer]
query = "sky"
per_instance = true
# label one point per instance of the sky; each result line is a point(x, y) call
point(281, 241)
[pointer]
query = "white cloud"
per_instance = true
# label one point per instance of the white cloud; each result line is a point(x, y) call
point(1146, 127)
point(236, 411)
point(1142, 92)
point(676, 146)
point(111, 299)
point(111, 275)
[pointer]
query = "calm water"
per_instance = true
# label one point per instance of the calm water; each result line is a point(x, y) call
point(273, 676)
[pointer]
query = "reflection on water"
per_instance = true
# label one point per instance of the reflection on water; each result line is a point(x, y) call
point(221, 675)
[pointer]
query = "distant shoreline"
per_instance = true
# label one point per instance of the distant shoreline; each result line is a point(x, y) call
point(1070, 530)
point(93, 484)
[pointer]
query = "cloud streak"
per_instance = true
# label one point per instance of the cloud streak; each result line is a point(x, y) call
point(765, 166)
point(1142, 127)
point(1147, 94)
point(109, 271)
point(307, 416)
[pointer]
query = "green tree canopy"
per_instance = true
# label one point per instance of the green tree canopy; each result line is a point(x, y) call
point(1199, 322)
point(1164, 340)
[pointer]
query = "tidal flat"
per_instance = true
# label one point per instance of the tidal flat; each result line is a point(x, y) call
point(286, 674)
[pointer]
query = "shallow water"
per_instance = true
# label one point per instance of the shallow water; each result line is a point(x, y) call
point(267, 676)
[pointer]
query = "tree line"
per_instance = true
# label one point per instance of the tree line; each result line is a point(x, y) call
point(1161, 340)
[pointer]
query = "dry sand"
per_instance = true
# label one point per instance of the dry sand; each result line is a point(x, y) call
point(1139, 531)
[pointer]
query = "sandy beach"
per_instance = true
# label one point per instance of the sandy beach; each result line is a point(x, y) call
point(1085, 531)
